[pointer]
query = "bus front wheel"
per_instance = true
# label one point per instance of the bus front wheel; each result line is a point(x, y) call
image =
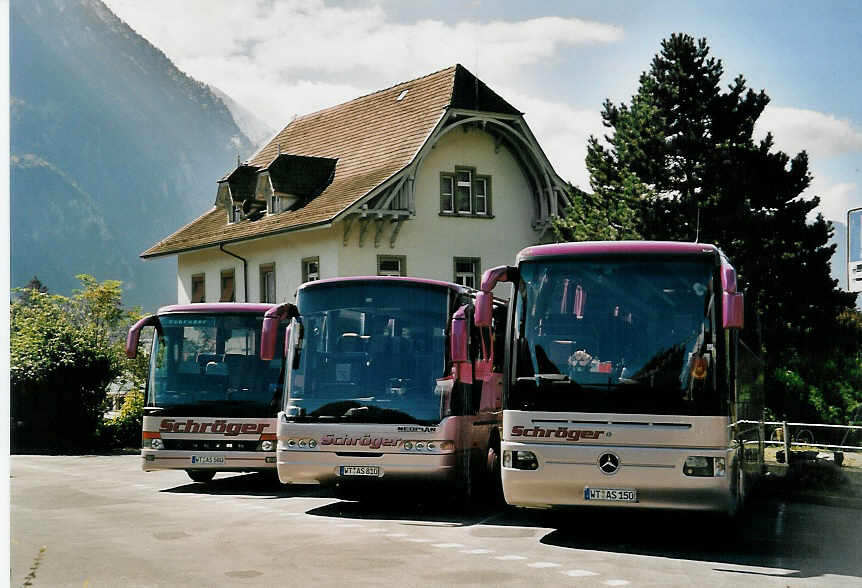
point(201, 475)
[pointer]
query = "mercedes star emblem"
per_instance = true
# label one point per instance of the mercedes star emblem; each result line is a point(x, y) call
point(609, 463)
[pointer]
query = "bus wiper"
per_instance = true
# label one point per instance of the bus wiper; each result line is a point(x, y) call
point(547, 380)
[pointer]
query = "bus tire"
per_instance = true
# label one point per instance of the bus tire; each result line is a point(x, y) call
point(738, 493)
point(203, 476)
point(805, 436)
point(493, 478)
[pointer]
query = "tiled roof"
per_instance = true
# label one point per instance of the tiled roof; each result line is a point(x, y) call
point(372, 138)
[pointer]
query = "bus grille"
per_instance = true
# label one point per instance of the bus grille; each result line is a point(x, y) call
point(204, 445)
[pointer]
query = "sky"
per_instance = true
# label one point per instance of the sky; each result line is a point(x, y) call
point(557, 61)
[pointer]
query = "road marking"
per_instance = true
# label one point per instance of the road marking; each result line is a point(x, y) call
point(477, 551)
point(292, 514)
point(415, 540)
point(544, 564)
point(350, 526)
point(579, 573)
point(616, 582)
point(510, 557)
point(447, 545)
point(397, 535)
point(375, 530)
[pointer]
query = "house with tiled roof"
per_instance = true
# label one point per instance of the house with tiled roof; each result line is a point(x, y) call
point(438, 177)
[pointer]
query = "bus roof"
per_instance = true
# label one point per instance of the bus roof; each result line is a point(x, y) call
point(398, 279)
point(615, 248)
point(217, 308)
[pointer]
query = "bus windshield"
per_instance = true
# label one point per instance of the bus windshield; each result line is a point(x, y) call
point(208, 365)
point(371, 352)
point(628, 335)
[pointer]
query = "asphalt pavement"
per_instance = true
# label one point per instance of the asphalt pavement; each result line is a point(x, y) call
point(99, 521)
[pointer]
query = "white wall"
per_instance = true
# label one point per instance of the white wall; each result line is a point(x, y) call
point(430, 241)
point(286, 251)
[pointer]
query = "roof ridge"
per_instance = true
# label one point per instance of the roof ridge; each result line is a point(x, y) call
point(340, 104)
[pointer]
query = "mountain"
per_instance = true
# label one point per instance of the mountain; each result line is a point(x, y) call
point(255, 129)
point(112, 149)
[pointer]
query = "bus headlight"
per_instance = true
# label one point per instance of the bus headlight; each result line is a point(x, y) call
point(267, 445)
point(520, 460)
point(156, 444)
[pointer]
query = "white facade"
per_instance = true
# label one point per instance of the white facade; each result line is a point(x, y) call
point(427, 243)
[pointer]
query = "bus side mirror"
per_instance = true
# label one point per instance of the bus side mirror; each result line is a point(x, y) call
point(733, 310)
point(501, 273)
point(459, 346)
point(135, 334)
point(293, 342)
point(484, 303)
point(269, 332)
point(483, 307)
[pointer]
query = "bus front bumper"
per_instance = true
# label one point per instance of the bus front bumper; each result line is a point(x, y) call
point(643, 478)
point(330, 468)
point(221, 461)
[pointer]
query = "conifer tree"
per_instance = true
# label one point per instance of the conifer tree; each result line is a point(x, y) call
point(681, 163)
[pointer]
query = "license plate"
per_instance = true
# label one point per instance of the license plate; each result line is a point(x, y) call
point(208, 460)
point(611, 494)
point(360, 471)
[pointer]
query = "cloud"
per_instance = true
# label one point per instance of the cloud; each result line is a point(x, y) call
point(292, 57)
point(827, 139)
point(562, 132)
point(835, 198)
point(821, 135)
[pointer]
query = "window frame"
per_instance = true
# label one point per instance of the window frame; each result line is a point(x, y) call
point(449, 201)
point(263, 270)
point(402, 264)
point(486, 181)
point(471, 174)
point(203, 283)
point(225, 274)
point(451, 194)
point(234, 212)
point(476, 262)
point(305, 272)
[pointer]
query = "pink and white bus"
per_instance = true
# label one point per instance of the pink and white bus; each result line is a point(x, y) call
point(211, 401)
point(621, 381)
point(388, 381)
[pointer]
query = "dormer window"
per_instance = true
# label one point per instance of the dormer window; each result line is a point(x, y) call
point(234, 212)
point(280, 203)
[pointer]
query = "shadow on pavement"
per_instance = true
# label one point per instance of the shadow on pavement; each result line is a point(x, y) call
point(409, 507)
point(258, 485)
point(766, 535)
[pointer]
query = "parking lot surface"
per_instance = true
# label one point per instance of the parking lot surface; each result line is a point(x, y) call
point(100, 521)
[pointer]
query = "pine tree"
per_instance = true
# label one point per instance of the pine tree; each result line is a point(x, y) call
point(681, 163)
